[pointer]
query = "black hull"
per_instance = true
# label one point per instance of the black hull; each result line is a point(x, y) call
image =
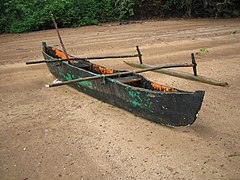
point(167, 108)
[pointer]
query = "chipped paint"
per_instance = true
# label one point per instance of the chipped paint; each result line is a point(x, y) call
point(85, 85)
point(136, 99)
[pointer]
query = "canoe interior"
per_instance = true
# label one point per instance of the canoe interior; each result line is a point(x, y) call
point(135, 80)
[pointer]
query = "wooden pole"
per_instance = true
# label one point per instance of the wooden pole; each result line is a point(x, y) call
point(82, 58)
point(60, 39)
point(139, 55)
point(181, 74)
point(194, 64)
point(117, 74)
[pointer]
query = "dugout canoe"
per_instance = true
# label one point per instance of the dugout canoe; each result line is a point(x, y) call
point(134, 93)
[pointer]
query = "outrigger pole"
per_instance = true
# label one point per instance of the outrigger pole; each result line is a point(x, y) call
point(117, 74)
point(181, 74)
point(83, 58)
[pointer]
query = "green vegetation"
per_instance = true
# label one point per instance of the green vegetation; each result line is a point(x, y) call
point(203, 50)
point(18, 16)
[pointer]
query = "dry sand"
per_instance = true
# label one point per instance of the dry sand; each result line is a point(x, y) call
point(60, 133)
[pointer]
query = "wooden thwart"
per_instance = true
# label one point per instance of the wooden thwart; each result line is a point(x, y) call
point(180, 74)
point(117, 74)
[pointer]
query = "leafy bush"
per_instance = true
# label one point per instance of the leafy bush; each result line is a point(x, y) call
point(2, 17)
point(174, 8)
point(125, 8)
point(147, 8)
point(23, 16)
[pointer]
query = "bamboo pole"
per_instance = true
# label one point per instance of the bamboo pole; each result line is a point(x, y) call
point(117, 74)
point(181, 74)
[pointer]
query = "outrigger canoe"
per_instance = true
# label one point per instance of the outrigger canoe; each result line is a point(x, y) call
point(134, 93)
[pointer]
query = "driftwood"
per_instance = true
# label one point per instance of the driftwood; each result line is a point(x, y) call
point(181, 74)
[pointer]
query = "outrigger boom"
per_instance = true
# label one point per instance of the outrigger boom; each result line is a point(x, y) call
point(118, 74)
point(83, 58)
point(181, 74)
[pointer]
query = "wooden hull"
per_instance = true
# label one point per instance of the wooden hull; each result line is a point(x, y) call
point(167, 108)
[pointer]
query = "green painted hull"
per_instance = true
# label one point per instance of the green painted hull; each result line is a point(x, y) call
point(167, 108)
